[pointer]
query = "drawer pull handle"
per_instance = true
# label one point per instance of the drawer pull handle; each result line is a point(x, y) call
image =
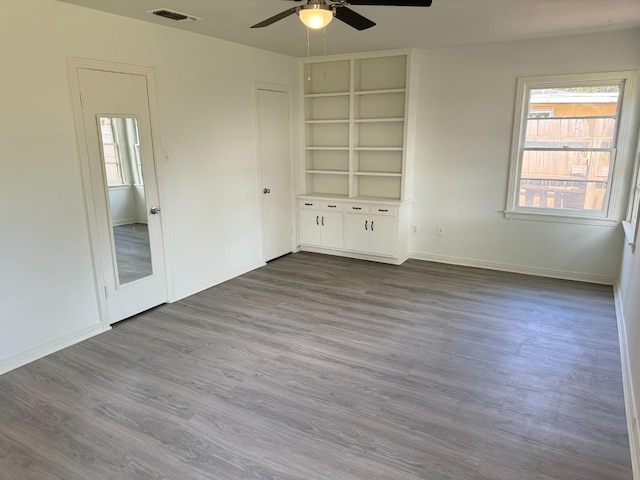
point(331, 206)
point(308, 204)
point(383, 210)
point(366, 222)
point(356, 208)
point(317, 219)
point(372, 225)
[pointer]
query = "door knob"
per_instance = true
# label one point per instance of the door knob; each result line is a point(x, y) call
point(266, 191)
point(154, 210)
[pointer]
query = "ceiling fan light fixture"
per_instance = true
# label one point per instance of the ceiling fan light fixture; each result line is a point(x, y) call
point(315, 16)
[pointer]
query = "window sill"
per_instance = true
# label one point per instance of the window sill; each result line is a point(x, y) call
point(555, 218)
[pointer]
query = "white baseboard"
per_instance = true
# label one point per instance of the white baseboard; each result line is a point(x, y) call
point(627, 382)
point(507, 267)
point(212, 282)
point(124, 221)
point(358, 256)
point(47, 348)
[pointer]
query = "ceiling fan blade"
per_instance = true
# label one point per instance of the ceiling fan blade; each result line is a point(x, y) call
point(394, 3)
point(352, 18)
point(275, 18)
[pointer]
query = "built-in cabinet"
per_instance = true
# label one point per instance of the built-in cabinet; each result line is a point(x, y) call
point(358, 152)
point(321, 224)
point(371, 229)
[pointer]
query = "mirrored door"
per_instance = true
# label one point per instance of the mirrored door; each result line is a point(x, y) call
point(119, 147)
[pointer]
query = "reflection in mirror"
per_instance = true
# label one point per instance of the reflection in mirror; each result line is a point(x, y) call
point(123, 173)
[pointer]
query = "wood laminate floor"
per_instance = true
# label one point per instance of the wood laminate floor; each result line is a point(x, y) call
point(319, 367)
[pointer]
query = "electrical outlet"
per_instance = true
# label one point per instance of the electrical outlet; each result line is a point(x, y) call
point(414, 229)
point(166, 155)
point(440, 231)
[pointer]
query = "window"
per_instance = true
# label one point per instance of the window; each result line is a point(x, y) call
point(564, 146)
point(631, 223)
point(112, 165)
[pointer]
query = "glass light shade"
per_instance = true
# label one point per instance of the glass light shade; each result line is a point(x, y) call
point(316, 16)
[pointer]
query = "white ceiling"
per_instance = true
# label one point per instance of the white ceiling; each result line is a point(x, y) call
point(446, 23)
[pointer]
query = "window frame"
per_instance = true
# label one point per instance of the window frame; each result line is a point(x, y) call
point(116, 149)
point(630, 223)
point(607, 216)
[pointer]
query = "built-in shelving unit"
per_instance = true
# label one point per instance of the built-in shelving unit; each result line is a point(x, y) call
point(356, 119)
point(356, 192)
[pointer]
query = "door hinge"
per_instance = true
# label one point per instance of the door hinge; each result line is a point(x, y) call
point(81, 100)
point(105, 292)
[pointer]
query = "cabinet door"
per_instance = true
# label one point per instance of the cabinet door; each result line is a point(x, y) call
point(382, 235)
point(357, 232)
point(332, 228)
point(309, 227)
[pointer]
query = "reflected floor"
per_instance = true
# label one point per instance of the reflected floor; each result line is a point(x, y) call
point(132, 251)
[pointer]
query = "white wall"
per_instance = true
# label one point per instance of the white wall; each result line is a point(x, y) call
point(464, 126)
point(127, 204)
point(205, 90)
point(628, 303)
point(122, 204)
point(140, 206)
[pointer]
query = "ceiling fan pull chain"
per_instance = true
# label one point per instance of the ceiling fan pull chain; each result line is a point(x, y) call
point(308, 56)
point(324, 42)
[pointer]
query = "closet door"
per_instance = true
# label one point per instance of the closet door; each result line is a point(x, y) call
point(274, 152)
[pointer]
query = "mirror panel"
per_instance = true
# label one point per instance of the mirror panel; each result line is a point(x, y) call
point(120, 148)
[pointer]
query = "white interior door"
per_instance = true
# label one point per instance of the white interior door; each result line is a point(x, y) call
point(274, 151)
point(117, 127)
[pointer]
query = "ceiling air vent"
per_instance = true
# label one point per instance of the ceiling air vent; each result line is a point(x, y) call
point(172, 15)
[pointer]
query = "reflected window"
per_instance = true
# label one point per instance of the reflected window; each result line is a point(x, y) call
point(137, 158)
point(112, 165)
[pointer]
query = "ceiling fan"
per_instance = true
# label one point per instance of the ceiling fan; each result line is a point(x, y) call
point(318, 13)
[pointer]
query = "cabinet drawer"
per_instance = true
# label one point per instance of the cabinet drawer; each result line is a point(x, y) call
point(333, 206)
point(388, 210)
point(312, 204)
point(357, 208)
